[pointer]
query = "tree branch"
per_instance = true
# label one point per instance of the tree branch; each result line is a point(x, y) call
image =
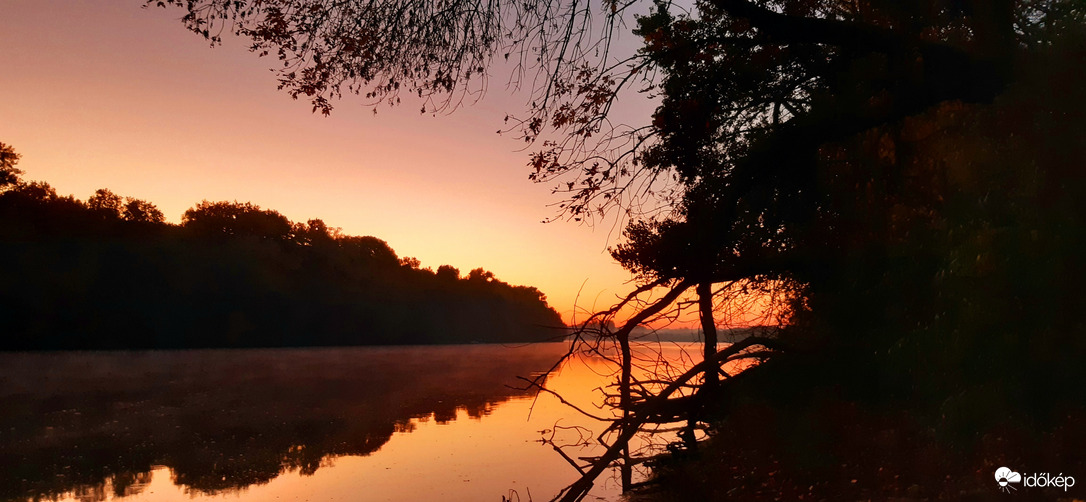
point(579, 488)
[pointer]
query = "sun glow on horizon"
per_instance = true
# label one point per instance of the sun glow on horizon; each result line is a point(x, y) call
point(115, 96)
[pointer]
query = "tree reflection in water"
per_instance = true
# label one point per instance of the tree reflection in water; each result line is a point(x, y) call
point(96, 424)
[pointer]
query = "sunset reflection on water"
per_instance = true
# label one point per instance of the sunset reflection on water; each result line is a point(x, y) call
point(455, 431)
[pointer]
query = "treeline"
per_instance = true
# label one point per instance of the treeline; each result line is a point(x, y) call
point(110, 273)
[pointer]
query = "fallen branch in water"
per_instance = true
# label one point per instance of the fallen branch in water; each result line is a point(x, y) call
point(653, 405)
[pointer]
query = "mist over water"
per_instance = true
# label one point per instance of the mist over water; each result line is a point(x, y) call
point(388, 423)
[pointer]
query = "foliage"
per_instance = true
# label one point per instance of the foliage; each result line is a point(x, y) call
point(804, 136)
point(109, 273)
point(905, 174)
point(9, 175)
point(437, 51)
point(212, 219)
point(926, 213)
point(908, 173)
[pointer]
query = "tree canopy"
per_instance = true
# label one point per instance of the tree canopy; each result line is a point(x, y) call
point(770, 60)
point(797, 144)
point(110, 273)
point(9, 175)
point(901, 178)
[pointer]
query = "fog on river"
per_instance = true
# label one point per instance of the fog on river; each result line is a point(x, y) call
point(383, 424)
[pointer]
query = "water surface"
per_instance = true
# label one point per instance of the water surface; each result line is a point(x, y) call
point(381, 424)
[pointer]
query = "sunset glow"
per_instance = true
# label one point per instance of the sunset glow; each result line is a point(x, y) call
point(109, 95)
point(399, 250)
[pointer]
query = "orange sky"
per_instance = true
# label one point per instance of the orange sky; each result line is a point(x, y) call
point(106, 94)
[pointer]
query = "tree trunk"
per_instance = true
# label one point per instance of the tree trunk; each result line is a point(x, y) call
point(708, 327)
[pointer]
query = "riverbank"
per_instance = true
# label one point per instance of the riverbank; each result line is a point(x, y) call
point(835, 449)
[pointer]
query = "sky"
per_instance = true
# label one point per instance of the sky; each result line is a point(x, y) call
point(106, 94)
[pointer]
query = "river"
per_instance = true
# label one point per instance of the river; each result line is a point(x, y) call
point(375, 424)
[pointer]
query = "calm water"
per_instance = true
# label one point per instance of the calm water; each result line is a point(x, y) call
point(381, 424)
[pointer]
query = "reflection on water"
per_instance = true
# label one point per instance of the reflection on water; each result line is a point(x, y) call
point(397, 423)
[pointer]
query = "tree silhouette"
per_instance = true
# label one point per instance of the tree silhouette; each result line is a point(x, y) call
point(448, 272)
point(434, 50)
point(369, 249)
point(821, 150)
point(109, 204)
point(835, 156)
point(141, 211)
point(9, 175)
point(109, 273)
point(236, 219)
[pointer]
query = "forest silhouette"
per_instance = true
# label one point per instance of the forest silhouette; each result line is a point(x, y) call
point(110, 273)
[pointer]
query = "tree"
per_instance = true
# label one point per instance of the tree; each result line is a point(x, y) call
point(410, 262)
point(810, 161)
point(792, 151)
point(373, 250)
point(448, 273)
point(141, 211)
point(913, 57)
point(313, 233)
point(236, 219)
point(9, 175)
point(480, 276)
point(440, 54)
point(106, 203)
